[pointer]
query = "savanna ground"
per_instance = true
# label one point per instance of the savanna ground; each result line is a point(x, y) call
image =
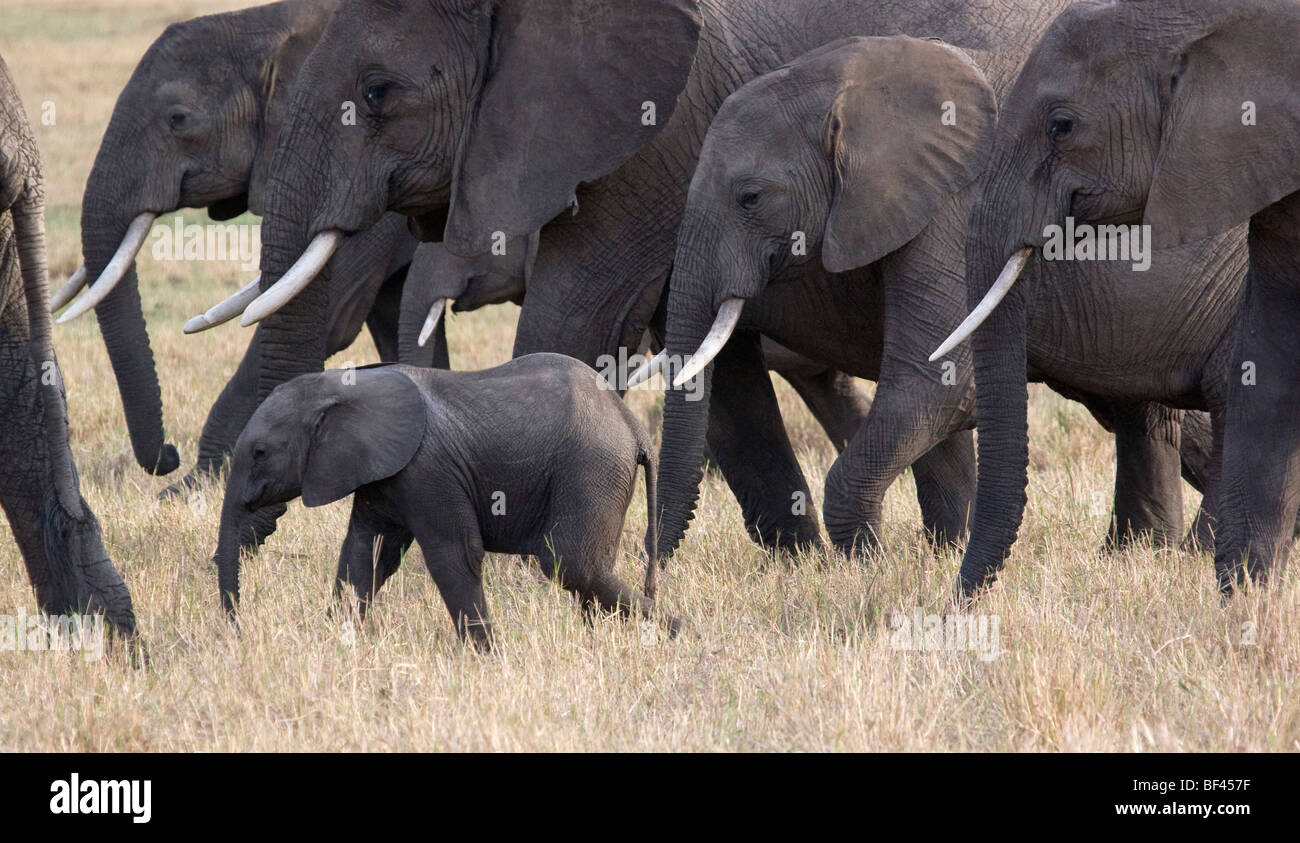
point(1127, 651)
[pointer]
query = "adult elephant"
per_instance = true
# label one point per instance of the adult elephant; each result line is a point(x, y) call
point(439, 281)
point(54, 528)
point(195, 128)
point(828, 211)
point(1184, 116)
point(496, 117)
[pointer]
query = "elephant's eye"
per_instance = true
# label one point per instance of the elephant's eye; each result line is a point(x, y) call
point(259, 452)
point(176, 120)
point(749, 200)
point(1059, 128)
point(375, 94)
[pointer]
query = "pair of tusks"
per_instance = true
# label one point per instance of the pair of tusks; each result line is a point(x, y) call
point(132, 243)
point(729, 315)
point(255, 307)
point(724, 324)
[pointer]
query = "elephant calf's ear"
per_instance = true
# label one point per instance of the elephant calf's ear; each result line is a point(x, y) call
point(368, 431)
point(912, 126)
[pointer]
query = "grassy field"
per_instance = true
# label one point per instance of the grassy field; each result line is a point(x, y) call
point(1095, 651)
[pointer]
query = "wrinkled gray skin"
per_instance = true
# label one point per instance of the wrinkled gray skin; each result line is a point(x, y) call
point(54, 528)
point(453, 142)
point(195, 127)
point(1134, 113)
point(551, 478)
point(846, 146)
point(470, 283)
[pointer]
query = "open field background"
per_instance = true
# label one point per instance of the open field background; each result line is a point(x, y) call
point(1127, 651)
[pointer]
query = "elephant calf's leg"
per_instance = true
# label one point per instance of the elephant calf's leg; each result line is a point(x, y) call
point(945, 487)
point(372, 552)
point(457, 568)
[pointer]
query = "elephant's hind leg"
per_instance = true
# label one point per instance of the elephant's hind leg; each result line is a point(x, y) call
point(945, 487)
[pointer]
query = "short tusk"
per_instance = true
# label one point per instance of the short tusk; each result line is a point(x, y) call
point(131, 244)
point(224, 311)
point(1002, 286)
point(70, 288)
point(431, 321)
point(723, 324)
point(649, 370)
point(313, 260)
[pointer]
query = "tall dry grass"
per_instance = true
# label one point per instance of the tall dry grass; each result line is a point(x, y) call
point(1127, 651)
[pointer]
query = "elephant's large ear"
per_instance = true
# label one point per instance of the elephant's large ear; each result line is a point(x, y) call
point(573, 89)
point(367, 429)
point(277, 75)
point(911, 126)
point(1230, 131)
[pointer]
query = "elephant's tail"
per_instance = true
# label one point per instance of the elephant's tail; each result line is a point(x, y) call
point(645, 456)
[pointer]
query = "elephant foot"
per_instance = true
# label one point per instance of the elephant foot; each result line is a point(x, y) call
point(792, 543)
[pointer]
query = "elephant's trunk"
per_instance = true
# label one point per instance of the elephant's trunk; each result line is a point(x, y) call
point(1001, 404)
point(242, 529)
point(686, 413)
point(121, 320)
point(81, 577)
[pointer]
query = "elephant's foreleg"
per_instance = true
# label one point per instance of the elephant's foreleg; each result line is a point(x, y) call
point(372, 552)
point(896, 433)
point(385, 315)
point(945, 487)
point(835, 401)
point(1259, 492)
point(747, 437)
point(1202, 453)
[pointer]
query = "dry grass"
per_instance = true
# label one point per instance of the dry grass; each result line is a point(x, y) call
point(1098, 652)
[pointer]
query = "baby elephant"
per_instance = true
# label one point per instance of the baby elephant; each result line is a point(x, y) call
point(531, 458)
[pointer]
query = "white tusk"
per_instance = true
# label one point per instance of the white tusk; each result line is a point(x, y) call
point(224, 311)
point(723, 324)
point(73, 286)
point(293, 282)
point(1002, 286)
point(649, 370)
point(131, 244)
point(431, 321)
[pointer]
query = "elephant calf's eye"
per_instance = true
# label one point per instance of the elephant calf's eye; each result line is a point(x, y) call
point(176, 120)
point(1059, 128)
point(259, 452)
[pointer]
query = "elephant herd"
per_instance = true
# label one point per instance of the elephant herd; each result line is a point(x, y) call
point(820, 188)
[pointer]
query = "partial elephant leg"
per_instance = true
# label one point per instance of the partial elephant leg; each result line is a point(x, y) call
point(1202, 453)
point(889, 441)
point(748, 439)
point(385, 314)
point(1260, 491)
point(456, 566)
point(372, 552)
point(1148, 474)
point(945, 487)
point(835, 401)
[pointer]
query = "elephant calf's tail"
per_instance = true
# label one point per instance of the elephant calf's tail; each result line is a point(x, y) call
point(645, 456)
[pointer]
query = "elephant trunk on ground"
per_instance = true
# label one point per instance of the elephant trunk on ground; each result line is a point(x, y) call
point(81, 577)
point(121, 320)
point(1001, 405)
point(686, 413)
